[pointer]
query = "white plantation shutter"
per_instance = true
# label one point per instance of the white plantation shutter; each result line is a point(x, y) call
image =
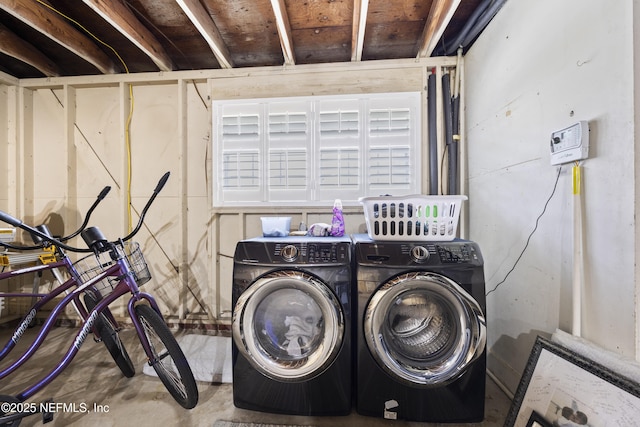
point(339, 168)
point(389, 169)
point(390, 122)
point(339, 123)
point(338, 148)
point(312, 150)
point(288, 150)
point(392, 161)
point(240, 163)
point(241, 169)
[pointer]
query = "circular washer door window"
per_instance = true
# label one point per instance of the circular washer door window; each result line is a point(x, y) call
point(424, 329)
point(289, 325)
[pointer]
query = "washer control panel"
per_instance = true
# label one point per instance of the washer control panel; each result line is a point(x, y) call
point(311, 252)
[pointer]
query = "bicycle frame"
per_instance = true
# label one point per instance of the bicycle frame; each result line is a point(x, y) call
point(126, 285)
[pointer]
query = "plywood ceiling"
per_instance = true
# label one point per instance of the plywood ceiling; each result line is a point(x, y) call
point(46, 38)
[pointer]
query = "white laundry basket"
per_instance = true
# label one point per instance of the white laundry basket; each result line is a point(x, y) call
point(413, 217)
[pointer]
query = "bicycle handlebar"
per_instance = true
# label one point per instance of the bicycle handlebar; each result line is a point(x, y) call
point(159, 187)
point(5, 217)
point(162, 182)
point(100, 197)
point(39, 239)
point(104, 193)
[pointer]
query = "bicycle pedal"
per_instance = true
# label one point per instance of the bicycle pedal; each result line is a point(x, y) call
point(47, 416)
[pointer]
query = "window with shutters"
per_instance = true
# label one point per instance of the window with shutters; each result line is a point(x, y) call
point(312, 150)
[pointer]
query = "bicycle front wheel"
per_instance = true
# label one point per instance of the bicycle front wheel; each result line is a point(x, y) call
point(168, 360)
point(110, 338)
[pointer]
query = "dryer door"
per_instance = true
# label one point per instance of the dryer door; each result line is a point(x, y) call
point(424, 329)
point(289, 325)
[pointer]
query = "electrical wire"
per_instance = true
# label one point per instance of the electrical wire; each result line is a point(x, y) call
point(555, 186)
point(131, 104)
point(127, 138)
point(83, 28)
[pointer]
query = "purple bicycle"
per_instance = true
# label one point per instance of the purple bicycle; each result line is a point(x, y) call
point(111, 270)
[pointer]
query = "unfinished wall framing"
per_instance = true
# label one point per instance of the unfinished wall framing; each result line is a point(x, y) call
point(67, 138)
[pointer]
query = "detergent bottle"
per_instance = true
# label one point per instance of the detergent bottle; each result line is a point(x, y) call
point(337, 222)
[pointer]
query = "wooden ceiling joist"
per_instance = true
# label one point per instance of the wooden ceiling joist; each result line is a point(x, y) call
point(208, 29)
point(284, 31)
point(54, 26)
point(14, 46)
point(360, 9)
point(439, 17)
point(120, 17)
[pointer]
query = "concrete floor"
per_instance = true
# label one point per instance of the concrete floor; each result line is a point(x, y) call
point(92, 379)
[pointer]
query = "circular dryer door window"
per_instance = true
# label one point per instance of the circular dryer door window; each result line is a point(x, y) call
point(424, 329)
point(289, 325)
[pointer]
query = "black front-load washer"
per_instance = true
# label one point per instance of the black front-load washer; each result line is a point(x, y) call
point(421, 331)
point(291, 325)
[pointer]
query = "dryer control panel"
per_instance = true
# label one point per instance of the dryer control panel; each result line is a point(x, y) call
point(418, 253)
point(458, 253)
point(443, 252)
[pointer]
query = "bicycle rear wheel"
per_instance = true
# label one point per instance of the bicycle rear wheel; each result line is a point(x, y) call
point(109, 336)
point(168, 359)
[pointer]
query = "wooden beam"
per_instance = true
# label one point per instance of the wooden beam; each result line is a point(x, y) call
point(360, 9)
point(440, 14)
point(203, 75)
point(120, 17)
point(284, 30)
point(14, 46)
point(208, 29)
point(51, 24)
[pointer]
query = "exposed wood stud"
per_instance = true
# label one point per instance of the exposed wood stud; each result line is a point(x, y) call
point(284, 31)
point(360, 9)
point(439, 17)
point(119, 16)
point(208, 29)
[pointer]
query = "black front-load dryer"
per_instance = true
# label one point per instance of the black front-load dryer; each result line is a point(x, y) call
point(421, 331)
point(292, 325)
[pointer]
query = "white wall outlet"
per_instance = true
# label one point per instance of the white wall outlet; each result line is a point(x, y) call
point(570, 144)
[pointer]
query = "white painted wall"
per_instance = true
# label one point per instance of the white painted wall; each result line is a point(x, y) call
point(539, 67)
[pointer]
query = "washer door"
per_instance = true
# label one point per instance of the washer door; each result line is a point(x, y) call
point(289, 325)
point(424, 329)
